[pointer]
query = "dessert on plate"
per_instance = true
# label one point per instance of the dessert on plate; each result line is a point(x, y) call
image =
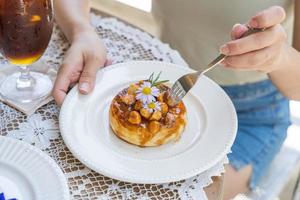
point(143, 114)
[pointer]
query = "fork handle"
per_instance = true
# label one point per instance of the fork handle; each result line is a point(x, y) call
point(221, 57)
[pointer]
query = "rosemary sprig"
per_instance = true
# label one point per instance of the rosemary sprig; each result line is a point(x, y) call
point(151, 77)
point(160, 82)
point(157, 77)
point(154, 81)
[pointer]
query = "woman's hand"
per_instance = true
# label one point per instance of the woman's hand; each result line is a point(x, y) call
point(264, 51)
point(81, 63)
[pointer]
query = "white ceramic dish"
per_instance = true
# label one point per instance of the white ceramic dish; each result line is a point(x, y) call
point(28, 173)
point(208, 136)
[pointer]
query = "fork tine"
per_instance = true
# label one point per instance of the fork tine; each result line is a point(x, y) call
point(175, 89)
point(174, 86)
point(179, 92)
point(181, 95)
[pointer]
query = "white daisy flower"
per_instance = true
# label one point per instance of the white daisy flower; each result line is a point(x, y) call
point(146, 93)
point(153, 106)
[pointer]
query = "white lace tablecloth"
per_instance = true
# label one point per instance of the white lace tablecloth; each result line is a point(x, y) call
point(41, 129)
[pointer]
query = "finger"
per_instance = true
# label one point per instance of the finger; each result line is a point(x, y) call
point(252, 60)
point(88, 75)
point(237, 31)
point(267, 18)
point(108, 62)
point(61, 87)
point(72, 84)
point(254, 42)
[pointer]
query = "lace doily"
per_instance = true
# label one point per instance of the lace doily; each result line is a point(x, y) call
point(41, 129)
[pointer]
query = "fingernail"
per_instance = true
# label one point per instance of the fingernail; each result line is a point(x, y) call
point(84, 87)
point(253, 23)
point(224, 49)
point(236, 25)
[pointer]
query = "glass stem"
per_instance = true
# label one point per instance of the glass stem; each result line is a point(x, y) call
point(25, 80)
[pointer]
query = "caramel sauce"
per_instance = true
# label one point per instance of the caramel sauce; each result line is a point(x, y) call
point(122, 110)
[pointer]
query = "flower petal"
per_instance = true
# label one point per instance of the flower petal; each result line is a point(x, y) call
point(146, 84)
point(150, 99)
point(139, 96)
point(155, 91)
point(157, 106)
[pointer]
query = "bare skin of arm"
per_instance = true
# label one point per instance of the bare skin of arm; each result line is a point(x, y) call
point(71, 24)
point(215, 190)
point(288, 80)
point(86, 53)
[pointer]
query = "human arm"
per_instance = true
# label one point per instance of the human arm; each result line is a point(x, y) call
point(288, 80)
point(86, 53)
point(268, 51)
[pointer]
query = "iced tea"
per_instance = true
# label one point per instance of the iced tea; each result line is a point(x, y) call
point(25, 29)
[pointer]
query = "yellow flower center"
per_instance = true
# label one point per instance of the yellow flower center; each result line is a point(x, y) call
point(147, 91)
point(151, 105)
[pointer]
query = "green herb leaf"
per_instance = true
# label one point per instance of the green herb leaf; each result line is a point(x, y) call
point(151, 78)
point(158, 76)
point(160, 82)
point(154, 80)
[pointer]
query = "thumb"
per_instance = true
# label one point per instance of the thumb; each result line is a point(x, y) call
point(88, 75)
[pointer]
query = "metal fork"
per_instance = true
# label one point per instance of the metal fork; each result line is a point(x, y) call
point(186, 82)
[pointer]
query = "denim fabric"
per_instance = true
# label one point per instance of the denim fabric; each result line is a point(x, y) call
point(263, 119)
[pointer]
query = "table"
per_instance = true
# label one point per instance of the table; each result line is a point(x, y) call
point(124, 43)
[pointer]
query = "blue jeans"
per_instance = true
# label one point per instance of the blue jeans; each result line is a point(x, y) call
point(263, 119)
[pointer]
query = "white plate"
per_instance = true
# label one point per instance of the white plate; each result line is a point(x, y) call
point(28, 173)
point(209, 134)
